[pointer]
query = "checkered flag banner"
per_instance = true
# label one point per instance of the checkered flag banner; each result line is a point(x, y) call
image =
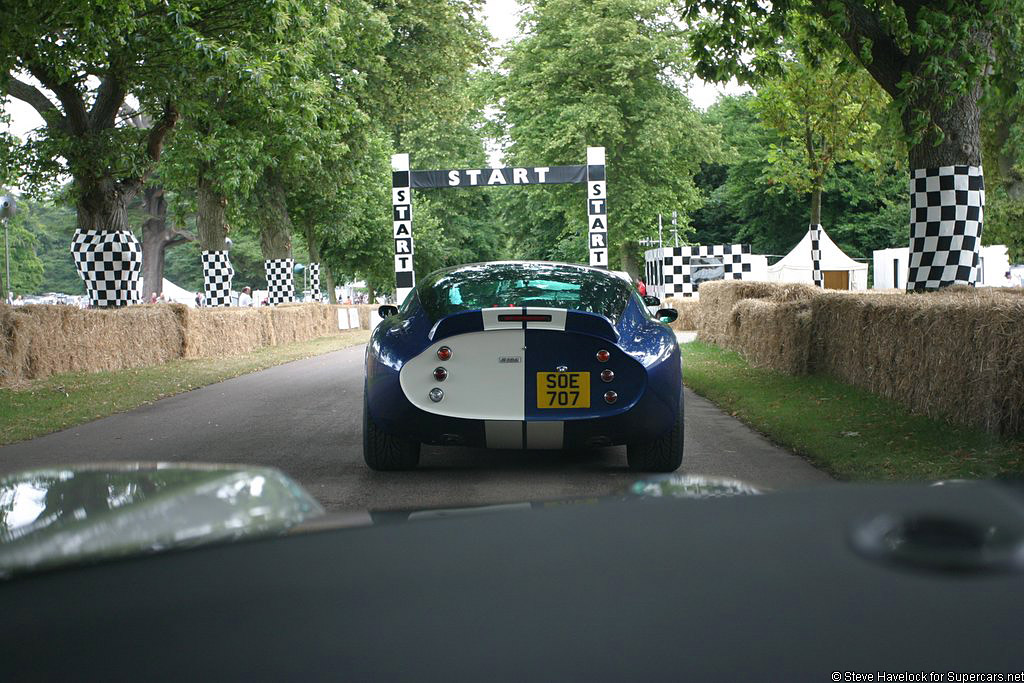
point(110, 264)
point(314, 281)
point(217, 274)
point(670, 270)
point(946, 216)
point(816, 274)
point(280, 282)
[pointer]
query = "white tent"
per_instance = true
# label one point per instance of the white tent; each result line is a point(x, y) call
point(840, 271)
point(174, 293)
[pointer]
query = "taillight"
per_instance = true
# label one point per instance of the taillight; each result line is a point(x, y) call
point(609, 397)
point(603, 356)
point(607, 375)
point(444, 353)
point(440, 374)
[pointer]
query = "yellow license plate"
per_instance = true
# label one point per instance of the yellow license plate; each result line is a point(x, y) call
point(563, 389)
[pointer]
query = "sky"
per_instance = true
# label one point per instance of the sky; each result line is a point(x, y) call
point(501, 17)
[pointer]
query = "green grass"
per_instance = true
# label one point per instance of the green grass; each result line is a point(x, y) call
point(65, 400)
point(848, 432)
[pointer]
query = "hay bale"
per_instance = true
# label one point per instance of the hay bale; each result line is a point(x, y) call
point(714, 312)
point(38, 341)
point(953, 354)
point(687, 309)
point(773, 335)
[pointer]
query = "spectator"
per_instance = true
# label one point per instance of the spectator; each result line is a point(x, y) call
point(199, 299)
point(152, 298)
point(641, 287)
point(245, 298)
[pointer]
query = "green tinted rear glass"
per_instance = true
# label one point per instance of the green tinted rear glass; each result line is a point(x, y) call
point(523, 284)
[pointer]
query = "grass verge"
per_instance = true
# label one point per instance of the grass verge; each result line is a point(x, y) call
point(848, 432)
point(69, 399)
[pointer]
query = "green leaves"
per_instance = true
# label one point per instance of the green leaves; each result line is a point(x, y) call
point(599, 74)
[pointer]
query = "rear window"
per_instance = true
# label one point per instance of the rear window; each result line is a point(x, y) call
point(523, 284)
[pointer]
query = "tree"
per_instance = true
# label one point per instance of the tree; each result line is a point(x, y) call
point(599, 74)
point(862, 205)
point(931, 57)
point(825, 115)
point(51, 56)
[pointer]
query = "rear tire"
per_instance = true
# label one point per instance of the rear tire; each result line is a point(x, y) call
point(664, 454)
point(386, 452)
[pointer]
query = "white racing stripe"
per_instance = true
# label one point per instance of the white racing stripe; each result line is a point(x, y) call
point(491, 322)
point(544, 435)
point(504, 433)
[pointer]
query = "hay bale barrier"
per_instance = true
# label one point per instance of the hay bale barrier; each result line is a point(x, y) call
point(687, 309)
point(955, 354)
point(40, 341)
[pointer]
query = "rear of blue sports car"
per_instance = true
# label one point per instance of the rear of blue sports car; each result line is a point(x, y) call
point(523, 355)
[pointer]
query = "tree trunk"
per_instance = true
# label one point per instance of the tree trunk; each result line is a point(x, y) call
point(211, 216)
point(947, 197)
point(329, 284)
point(276, 241)
point(816, 206)
point(102, 204)
point(276, 226)
point(107, 255)
point(628, 262)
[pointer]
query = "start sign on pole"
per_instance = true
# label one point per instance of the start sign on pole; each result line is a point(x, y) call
point(404, 180)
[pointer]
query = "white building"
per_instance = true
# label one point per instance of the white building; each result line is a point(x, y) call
point(838, 270)
point(892, 267)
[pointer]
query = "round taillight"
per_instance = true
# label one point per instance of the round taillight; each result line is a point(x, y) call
point(444, 353)
point(440, 374)
point(610, 397)
point(436, 395)
point(607, 375)
point(603, 356)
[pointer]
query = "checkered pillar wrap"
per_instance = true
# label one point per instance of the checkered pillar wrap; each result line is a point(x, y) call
point(816, 274)
point(314, 281)
point(280, 281)
point(946, 214)
point(217, 274)
point(671, 268)
point(110, 264)
point(401, 223)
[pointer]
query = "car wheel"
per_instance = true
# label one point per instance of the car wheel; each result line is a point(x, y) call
point(664, 454)
point(386, 452)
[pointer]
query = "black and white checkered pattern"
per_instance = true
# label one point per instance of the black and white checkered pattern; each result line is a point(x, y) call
point(816, 274)
point(110, 264)
point(669, 269)
point(280, 281)
point(946, 216)
point(217, 274)
point(314, 281)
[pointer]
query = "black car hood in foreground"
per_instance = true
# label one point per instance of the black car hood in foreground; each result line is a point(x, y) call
point(786, 586)
point(63, 516)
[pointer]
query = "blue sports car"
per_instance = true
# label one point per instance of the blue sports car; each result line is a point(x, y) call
point(518, 355)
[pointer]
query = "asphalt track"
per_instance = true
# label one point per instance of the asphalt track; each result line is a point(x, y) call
point(305, 418)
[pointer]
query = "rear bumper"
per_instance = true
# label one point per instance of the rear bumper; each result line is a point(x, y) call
point(650, 417)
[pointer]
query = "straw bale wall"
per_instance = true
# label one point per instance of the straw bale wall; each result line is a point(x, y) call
point(39, 341)
point(956, 354)
point(687, 308)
